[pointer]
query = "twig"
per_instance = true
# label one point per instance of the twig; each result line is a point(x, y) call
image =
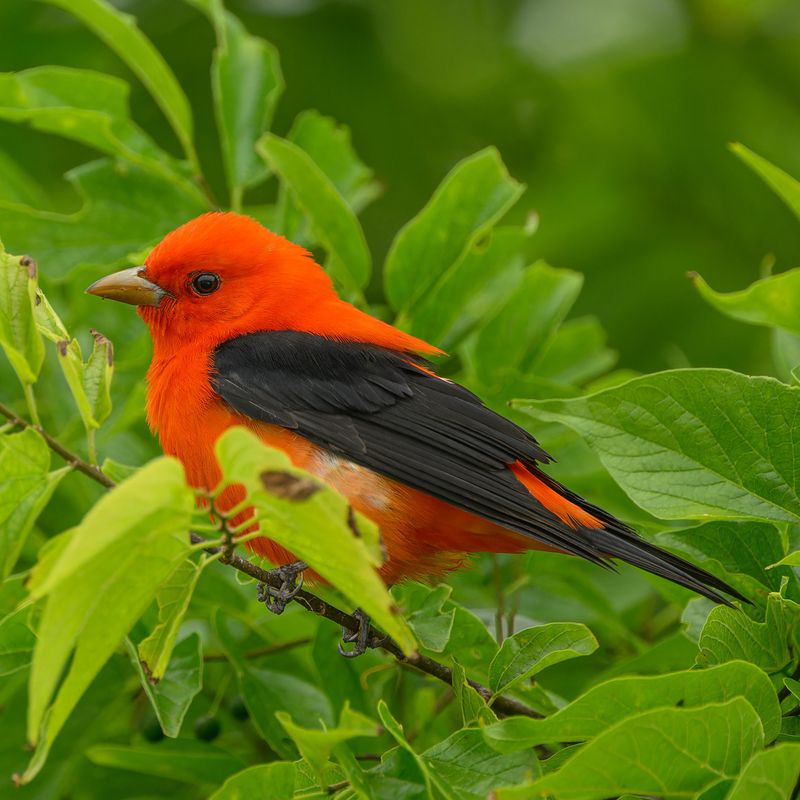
point(72, 459)
point(501, 704)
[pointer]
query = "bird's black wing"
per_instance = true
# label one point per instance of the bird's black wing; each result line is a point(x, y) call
point(386, 411)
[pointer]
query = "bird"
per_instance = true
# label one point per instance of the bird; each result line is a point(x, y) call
point(248, 329)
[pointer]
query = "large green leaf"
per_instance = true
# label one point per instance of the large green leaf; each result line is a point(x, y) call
point(124, 209)
point(773, 301)
point(274, 781)
point(173, 598)
point(329, 147)
point(120, 32)
point(524, 326)
point(97, 584)
point(534, 649)
point(266, 693)
point(174, 692)
point(19, 336)
point(91, 108)
point(769, 775)
point(316, 744)
point(611, 702)
point(471, 290)
point(315, 529)
point(772, 644)
point(692, 443)
point(473, 770)
point(333, 222)
point(179, 760)
point(670, 752)
point(26, 486)
point(783, 184)
point(740, 548)
point(476, 193)
point(247, 82)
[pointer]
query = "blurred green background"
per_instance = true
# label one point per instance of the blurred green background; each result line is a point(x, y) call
point(616, 115)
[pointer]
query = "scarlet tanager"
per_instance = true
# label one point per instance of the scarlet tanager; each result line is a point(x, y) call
point(248, 330)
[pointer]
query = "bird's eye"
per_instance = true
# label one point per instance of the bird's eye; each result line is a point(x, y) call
point(205, 283)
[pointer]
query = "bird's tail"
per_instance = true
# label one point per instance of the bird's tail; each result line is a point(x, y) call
point(611, 538)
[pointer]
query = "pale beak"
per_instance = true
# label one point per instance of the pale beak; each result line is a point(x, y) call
point(129, 286)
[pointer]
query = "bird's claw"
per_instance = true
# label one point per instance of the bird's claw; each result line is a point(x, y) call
point(277, 598)
point(361, 637)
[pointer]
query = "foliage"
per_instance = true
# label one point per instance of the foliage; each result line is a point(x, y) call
point(149, 669)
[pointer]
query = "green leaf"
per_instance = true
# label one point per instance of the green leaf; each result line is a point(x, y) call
point(395, 730)
point(784, 185)
point(247, 83)
point(329, 147)
point(669, 752)
point(124, 208)
point(173, 598)
point(513, 340)
point(179, 760)
point(740, 548)
point(773, 302)
point(332, 221)
point(19, 336)
point(770, 775)
point(473, 196)
point(89, 383)
point(328, 143)
point(97, 585)
point(471, 704)
point(91, 108)
point(267, 693)
point(729, 634)
point(316, 744)
point(531, 650)
point(576, 353)
point(470, 290)
point(120, 32)
point(173, 694)
point(26, 486)
point(273, 781)
point(316, 529)
point(718, 440)
point(473, 770)
point(791, 560)
point(608, 703)
point(17, 641)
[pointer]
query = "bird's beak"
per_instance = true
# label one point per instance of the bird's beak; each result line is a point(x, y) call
point(129, 286)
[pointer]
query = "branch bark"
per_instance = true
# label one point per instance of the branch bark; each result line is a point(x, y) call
point(309, 601)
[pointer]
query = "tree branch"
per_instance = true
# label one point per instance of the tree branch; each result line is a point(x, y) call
point(72, 459)
point(502, 705)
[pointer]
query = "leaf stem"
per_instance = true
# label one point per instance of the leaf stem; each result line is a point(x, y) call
point(91, 444)
point(30, 399)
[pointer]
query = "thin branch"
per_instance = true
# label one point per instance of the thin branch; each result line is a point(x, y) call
point(72, 459)
point(417, 661)
point(502, 704)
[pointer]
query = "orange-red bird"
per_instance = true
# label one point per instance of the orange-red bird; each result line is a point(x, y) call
point(248, 330)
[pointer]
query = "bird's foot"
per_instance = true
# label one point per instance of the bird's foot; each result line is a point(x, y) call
point(363, 638)
point(277, 598)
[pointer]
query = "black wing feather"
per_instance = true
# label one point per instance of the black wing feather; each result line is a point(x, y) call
point(384, 410)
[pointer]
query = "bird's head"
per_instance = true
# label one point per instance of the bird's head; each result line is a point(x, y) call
point(220, 272)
